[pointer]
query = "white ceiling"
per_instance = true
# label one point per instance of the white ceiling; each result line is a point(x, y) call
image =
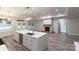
point(37, 12)
point(73, 12)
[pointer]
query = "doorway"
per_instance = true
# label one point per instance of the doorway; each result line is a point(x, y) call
point(62, 26)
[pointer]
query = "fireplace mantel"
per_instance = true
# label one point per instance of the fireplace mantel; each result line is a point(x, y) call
point(46, 25)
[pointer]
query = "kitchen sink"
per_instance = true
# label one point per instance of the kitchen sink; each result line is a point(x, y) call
point(30, 33)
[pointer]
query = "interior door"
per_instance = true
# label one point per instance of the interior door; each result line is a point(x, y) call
point(62, 25)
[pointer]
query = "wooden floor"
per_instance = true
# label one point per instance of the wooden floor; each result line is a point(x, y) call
point(13, 45)
point(61, 42)
point(56, 42)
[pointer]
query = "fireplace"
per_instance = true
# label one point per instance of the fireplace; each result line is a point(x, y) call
point(47, 28)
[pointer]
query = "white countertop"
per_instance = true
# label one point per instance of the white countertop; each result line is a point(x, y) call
point(3, 48)
point(36, 33)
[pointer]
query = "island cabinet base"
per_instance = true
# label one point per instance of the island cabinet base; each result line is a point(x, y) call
point(16, 36)
point(35, 44)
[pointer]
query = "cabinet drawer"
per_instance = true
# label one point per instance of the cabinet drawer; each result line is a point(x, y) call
point(27, 44)
point(27, 41)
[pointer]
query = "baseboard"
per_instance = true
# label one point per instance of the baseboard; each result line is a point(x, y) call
point(73, 34)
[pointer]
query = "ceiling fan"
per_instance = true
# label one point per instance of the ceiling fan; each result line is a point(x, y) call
point(28, 7)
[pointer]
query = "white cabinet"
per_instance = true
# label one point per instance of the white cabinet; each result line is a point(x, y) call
point(35, 44)
point(16, 36)
point(27, 41)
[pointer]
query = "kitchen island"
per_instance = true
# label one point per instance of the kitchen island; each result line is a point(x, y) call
point(36, 41)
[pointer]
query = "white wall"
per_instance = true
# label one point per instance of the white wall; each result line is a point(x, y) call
point(39, 25)
point(73, 26)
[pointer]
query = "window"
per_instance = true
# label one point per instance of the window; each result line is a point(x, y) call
point(5, 25)
point(31, 25)
point(21, 26)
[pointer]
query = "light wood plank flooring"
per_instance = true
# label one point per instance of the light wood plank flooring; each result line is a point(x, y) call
point(13, 45)
point(56, 42)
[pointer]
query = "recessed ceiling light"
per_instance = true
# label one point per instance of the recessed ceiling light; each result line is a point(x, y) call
point(8, 19)
point(29, 18)
point(33, 8)
point(57, 10)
